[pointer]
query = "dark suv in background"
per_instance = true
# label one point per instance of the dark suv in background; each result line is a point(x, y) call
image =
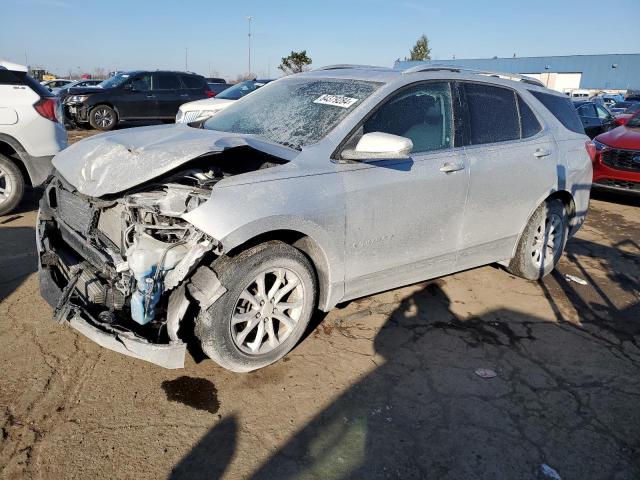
point(595, 117)
point(137, 95)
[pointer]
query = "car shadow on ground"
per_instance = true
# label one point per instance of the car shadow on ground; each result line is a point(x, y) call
point(18, 257)
point(620, 198)
point(565, 393)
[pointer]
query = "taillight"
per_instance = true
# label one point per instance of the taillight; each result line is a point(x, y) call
point(591, 149)
point(210, 93)
point(46, 107)
point(619, 121)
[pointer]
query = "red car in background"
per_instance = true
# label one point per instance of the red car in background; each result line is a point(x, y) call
point(624, 117)
point(616, 158)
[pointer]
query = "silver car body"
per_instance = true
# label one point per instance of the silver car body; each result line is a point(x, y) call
point(368, 226)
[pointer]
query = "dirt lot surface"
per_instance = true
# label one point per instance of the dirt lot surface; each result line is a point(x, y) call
point(383, 388)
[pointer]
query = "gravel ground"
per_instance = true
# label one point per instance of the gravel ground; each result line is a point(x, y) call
point(384, 387)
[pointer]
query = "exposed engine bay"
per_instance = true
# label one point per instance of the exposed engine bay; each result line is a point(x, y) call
point(129, 265)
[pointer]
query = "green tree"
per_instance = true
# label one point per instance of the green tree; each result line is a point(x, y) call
point(420, 50)
point(295, 62)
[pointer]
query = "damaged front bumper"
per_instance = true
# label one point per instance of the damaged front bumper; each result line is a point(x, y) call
point(170, 355)
point(95, 285)
point(75, 112)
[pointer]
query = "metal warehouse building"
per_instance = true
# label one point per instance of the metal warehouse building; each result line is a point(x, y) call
point(562, 73)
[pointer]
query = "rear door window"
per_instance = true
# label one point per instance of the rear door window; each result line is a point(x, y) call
point(166, 81)
point(562, 108)
point(492, 113)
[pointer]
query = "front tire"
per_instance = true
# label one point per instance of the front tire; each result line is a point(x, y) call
point(103, 117)
point(270, 298)
point(12, 185)
point(542, 242)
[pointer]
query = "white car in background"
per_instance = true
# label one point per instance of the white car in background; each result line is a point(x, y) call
point(85, 82)
point(30, 133)
point(56, 83)
point(200, 110)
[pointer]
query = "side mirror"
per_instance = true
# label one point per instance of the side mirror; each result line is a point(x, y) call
point(378, 145)
point(128, 87)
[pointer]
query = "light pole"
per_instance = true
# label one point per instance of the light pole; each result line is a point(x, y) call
point(249, 18)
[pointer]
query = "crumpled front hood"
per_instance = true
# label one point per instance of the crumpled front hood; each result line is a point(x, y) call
point(117, 161)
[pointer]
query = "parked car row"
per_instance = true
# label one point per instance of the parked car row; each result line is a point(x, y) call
point(631, 108)
point(200, 110)
point(135, 95)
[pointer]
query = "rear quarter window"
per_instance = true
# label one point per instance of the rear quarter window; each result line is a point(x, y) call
point(166, 81)
point(528, 120)
point(191, 81)
point(562, 108)
point(10, 77)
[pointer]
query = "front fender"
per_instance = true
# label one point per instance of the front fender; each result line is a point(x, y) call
point(238, 214)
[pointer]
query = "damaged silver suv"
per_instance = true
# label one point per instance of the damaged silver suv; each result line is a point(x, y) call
point(316, 189)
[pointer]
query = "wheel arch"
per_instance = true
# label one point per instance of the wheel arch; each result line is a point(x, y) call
point(11, 148)
point(307, 245)
point(567, 200)
point(106, 103)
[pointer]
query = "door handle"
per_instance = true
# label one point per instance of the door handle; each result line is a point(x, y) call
point(151, 96)
point(184, 95)
point(542, 152)
point(451, 167)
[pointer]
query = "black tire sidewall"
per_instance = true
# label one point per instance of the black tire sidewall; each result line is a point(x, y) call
point(98, 127)
point(18, 185)
point(522, 264)
point(213, 327)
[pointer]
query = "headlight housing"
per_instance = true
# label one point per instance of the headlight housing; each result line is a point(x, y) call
point(77, 98)
point(194, 115)
point(599, 145)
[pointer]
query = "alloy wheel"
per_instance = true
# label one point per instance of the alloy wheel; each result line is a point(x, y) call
point(267, 311)
point(103, 117)
point(547, 240)
point(6, 185)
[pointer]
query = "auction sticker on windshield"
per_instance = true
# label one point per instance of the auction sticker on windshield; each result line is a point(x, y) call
point(341, 101)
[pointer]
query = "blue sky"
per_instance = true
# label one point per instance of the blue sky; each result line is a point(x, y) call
point(63, 35)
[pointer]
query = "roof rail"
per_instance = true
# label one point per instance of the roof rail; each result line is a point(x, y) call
point(432, 68)
point(344, 66)
point(453, 68)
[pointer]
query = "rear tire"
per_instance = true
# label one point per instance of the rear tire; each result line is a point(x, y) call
point(271, 295)
point(103, 117)
point(542, 242)
point(12, 185)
